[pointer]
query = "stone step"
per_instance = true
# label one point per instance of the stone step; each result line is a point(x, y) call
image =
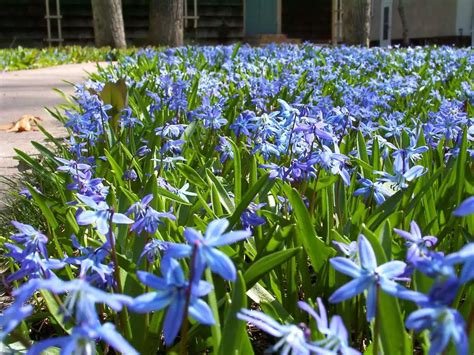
point(259, 40)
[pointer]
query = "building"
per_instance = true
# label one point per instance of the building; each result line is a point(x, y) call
point(429, 22)
point(38, 22)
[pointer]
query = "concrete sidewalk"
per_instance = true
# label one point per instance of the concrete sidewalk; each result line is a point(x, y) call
point(29, 92)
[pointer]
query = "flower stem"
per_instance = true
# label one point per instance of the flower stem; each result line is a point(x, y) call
point(377, 323)
point(185, 325)
point(124, 323)
point(470, 320)
point(216, 328)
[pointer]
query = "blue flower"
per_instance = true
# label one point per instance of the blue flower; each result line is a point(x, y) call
point(12, 316)
point(80, 305)
point(102, 215)
point(142, 151)
point(32, 239)
point(170, 130)
point(26, 193)
point(152, 250)
point(72, 167)
point(226, 150)
point(435, 314)
point(368, 276)
point(349, 250)
point(183, 192)
point(466, 256)
point(206, 253)
point(400, 179)
point(146, 218)
point(130, 174)
point(332, 162)
point(335, 332)
point(33, 265)
point(91, 263)
point(250, 218)
point(404, 156)
point(242, 123)
point(82, 340)
point(418, 245)
point(379, 191)
point(293, 339)
point(287, 112)
point(444, 324)
point(171, 291)
point(126, 119)
point(465, 208)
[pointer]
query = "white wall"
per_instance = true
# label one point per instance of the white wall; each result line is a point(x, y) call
point(464, 16)
point(426, 18)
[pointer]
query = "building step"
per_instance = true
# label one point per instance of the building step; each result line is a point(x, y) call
point(259, 40)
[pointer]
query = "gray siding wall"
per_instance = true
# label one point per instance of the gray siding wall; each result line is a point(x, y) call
point(426, 18)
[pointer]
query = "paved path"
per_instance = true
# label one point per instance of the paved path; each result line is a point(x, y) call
point(29, 92)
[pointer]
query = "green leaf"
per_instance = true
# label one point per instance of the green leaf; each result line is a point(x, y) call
point(171, 196)
point(361, 147)
point(191, 175)
point(212, 301)
point(34, 164)
point(224, 197)
point(237, 172)
point(316, 249)
point(193, 93)
point(376, 155)
point(51, 139)
point(263, 183)
point(267, 263)
point(55, 310)
point(116, 169)
point(44, 207)
point(461, 167)
point(234, 335)
point(115, 94)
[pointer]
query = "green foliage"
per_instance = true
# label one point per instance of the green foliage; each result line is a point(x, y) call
point(287, 258)
point(30, 58)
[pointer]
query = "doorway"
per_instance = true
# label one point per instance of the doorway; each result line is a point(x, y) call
point(309, 20)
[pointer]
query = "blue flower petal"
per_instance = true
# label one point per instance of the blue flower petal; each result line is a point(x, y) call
point(152, 280)
point(371, 302)
point(108, 333)
point(200, 311)
point(391, 269)
point(87, 217)
point(366, 254)
point(173, 320)
point(120, 218)
point(262, 321)
point(216, 228)
point(228, 238)
point(350, 289)
point(345, 266)
point(220, 263)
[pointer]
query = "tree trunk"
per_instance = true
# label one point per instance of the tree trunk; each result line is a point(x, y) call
point(108, 23)
point(366, 23)
point(353, 21)
point(404, 20)
point(166, 23)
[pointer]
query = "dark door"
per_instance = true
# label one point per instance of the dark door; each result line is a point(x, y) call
point(307, 19)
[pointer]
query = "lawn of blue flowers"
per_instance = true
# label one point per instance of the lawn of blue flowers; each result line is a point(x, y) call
point(235, 200)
